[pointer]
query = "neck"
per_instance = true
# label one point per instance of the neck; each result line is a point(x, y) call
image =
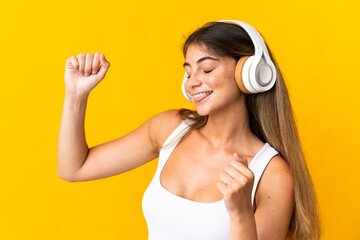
point(229, 127)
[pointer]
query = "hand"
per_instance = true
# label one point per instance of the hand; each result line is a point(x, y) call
point(236, 183)
point(82, 73)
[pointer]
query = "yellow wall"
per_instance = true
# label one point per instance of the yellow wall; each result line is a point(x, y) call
point(316, 44)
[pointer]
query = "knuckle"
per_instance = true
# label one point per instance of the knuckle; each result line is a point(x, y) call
point(81, 55)
point(89, 55)
point(236, 186)
point(243, 180)
point(229, 193)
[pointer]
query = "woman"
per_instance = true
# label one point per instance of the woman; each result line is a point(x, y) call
point(237, 172)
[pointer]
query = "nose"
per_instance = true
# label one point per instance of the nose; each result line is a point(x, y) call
point(191, 82)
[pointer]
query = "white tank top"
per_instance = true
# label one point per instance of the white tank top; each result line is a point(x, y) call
point(171, 217)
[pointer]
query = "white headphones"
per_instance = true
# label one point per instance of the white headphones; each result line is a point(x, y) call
point(253, 74)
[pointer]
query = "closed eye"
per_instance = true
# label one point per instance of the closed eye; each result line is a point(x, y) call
point(188, 76)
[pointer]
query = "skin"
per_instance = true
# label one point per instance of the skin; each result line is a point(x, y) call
point(83, 73)
point(227, 127)
point(202, 167)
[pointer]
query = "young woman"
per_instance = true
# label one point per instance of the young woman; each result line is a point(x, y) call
point(231, 169)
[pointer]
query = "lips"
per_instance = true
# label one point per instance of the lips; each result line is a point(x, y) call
point(199, 99)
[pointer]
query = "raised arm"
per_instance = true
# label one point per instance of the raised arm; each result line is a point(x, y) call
point(76, 162)
point(82, 74)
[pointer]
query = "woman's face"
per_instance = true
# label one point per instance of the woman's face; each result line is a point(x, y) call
point(209, 73)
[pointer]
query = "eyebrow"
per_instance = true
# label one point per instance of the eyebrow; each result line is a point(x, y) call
point(200, 60)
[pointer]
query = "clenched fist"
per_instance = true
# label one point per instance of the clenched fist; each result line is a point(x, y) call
point(236, 183)
point(83, 73)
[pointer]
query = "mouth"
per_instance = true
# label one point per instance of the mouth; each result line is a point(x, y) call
point(202, 96)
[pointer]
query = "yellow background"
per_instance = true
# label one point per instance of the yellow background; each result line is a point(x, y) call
point(316, 44)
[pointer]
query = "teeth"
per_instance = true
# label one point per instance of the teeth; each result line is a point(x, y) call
point(202, 94)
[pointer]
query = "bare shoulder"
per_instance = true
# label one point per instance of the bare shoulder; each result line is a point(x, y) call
point(277, 182)
point(279, 169)
point(275, 201)
point(163, 124)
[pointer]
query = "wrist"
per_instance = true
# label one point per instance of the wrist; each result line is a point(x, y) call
point(75, 102)
point(76, 96)
point(241, 216)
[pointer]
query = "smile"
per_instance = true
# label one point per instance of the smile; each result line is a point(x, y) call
point(201, 97)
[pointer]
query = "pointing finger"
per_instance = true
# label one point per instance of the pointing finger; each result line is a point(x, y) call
point(240, 159)
point(242, 165)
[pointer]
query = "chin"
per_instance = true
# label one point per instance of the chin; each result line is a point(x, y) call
point(202, 112)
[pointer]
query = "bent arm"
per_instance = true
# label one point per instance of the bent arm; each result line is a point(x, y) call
point(77, 162)
point(273, 212)
point(72, 147)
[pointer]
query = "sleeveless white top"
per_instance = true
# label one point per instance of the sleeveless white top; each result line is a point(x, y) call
point(171, 217)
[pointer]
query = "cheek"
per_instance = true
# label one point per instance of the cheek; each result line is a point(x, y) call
point(215, 82)
point(218, 80)
point(223, 80)
point(230, 78)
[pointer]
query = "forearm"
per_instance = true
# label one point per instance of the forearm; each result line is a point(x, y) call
point(72, 147)
point(243, 227)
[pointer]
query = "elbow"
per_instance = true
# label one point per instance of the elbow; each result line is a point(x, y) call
point(65, 178)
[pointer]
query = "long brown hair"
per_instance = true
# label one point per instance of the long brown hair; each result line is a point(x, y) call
point(271, 120)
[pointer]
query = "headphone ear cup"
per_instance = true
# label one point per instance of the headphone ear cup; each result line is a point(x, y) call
point(186, 94)
point(239, 74)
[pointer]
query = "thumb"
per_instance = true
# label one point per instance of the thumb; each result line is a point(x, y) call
point(241, 159)
point(104, 66)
